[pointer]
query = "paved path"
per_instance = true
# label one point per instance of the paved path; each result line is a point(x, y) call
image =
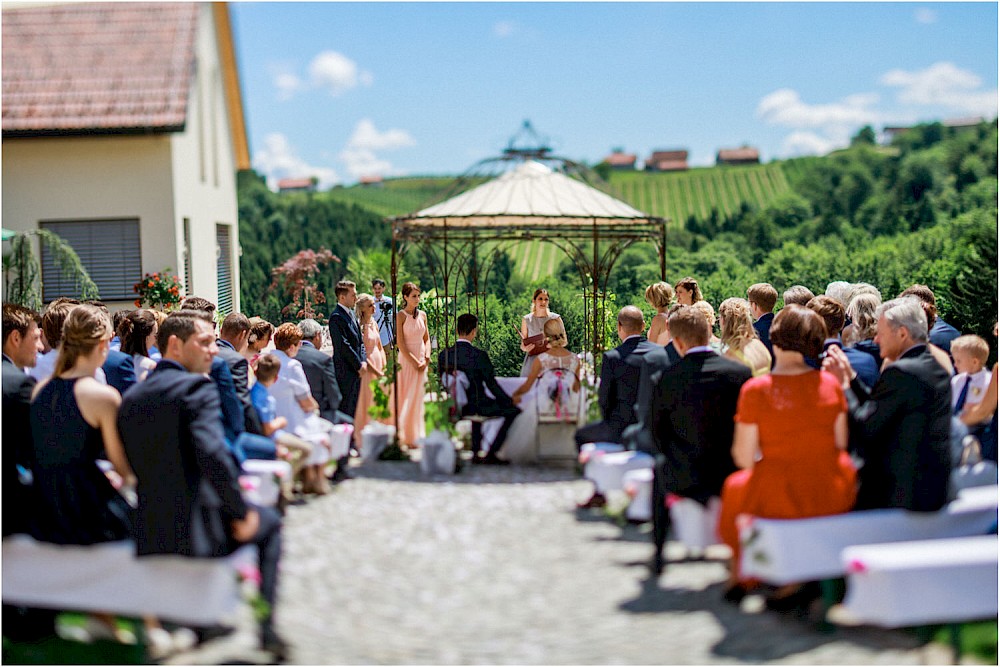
point(495, 566)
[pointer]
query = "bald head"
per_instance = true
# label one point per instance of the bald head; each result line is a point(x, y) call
point(630, 322)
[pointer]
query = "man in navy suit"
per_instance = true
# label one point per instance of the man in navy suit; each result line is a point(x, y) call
point(348, 346)
point(322, 378)
point(832, 312)
point(190, 501)
point(475, 363)
point(762, 297)
point(619, 388)
point(901, 426)
point(941, 333)
point(119, 370)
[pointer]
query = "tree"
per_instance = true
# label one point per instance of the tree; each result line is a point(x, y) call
point(865, 136)
point(297, 276)
point(23, 275)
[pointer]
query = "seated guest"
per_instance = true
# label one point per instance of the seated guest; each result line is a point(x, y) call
point(839, 290)
point(939, 355)
point(619, 385)
point(659, 296)
point(975, 415)
point(475, 363)
point(322, 378)
point(790, 441)
point(969, 387)
point(797, 294)
point(118, 370)
point(154, 352)
point(116, 320)
point(861, 311)
point(294, 402)
point(739, 339)
point(900, 428)
point(260, 337)
point(691, 420)
point(290, 447)
point(52, 323)
point(190, 502)
point(72, 423)
point(705, 308)
point(762, 297)
point(232, 342)
point(940, 333)
point(833, 317)
point(137, 333)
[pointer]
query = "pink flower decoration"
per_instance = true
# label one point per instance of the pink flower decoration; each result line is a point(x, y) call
point(249, 572)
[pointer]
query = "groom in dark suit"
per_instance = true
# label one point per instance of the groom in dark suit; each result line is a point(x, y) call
point(190, 503)
point(348, 346)
point(476, 364)
point(620, 372)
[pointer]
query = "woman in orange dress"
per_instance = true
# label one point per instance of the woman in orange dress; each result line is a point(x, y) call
point(374, 354)
point(414, 356)
point(790, 441)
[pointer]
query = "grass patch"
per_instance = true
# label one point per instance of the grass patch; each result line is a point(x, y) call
point(977, 639)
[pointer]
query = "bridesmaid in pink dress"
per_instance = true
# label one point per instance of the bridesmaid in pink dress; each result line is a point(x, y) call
point(375, 354)
point(414, 357)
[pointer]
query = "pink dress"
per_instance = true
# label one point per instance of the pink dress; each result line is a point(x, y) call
point(376, 359)
point(410, 381)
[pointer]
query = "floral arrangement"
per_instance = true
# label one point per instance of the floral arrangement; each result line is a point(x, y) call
point(249, 580)
point(588, 383)
point(439, 411)
point(161, 290)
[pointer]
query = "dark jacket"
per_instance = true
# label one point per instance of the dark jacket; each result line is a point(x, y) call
point(942, 333)
point(763, 329)
point(17, 446)
point(862, 363)
point(621, 369)
point(639, 435)
point(239, 368)
point(476, 365)
point(692, 422)
point(231, 410)
point(322, 377)
point(188, 488)
point(348, 354)
point(901, 430)
point(119, 369)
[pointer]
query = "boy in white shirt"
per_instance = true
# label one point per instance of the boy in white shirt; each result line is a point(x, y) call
point(969, 384)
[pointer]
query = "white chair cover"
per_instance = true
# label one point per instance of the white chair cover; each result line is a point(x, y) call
point(457, 384)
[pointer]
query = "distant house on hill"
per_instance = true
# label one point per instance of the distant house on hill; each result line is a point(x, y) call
point(123, 131)
point(287, 185)
point(674, 160)
point(371, 181)
point(620, 161)
point(890, 133)
point(736, 156)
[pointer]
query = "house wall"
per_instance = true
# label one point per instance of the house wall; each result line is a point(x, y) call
point(48, 178)
point(204, 171)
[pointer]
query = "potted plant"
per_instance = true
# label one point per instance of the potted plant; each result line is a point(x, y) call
point(160, 290)
point(439, 447)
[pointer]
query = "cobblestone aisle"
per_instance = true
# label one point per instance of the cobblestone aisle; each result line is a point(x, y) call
point(494, 566)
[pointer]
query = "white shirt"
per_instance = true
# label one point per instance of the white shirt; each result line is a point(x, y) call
point(977, 387)
point(45, 365)
point(290, 386)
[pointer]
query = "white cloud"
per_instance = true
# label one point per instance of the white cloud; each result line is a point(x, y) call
point(278, 159)
point(361, 157)
point(287, 84)
point(807, 143)
point(503, 29)
point(943, 84)
point(785, 107)
point(336, 73)
point(925, 16)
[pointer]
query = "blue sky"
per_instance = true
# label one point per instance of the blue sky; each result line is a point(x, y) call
point(343, 90)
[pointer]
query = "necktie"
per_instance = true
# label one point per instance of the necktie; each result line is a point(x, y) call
point(962, 396)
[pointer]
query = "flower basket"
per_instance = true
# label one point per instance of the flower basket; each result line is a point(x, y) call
point(161, 290)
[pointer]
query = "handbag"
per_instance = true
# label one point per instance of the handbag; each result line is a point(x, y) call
point(972, 470)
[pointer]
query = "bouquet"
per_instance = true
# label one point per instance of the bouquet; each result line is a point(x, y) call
point(160, 290)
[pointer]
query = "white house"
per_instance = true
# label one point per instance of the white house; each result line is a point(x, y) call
point(123, 130)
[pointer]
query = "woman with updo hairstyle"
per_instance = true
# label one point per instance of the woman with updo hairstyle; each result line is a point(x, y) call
point(739, 339)
point(705, 308)
point(687, 291)
point(414, 343)
point(532, 325)
point(137, 332)
point(860, 333)
point(375, 359)
point(790, 443)
point(659, 295)
point(260, 335)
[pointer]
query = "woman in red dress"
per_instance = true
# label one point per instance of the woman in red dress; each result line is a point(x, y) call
point(790, 440)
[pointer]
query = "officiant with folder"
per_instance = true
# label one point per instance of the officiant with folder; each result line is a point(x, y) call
point(532, 325)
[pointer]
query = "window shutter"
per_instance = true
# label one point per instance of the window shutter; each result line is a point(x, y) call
point(224, 268)
point(108, 249)
point(188, 286)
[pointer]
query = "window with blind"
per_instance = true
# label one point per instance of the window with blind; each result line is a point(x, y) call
point(108, 249)
point(224, 268)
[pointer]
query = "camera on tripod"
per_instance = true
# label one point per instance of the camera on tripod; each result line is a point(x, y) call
point(385, 306)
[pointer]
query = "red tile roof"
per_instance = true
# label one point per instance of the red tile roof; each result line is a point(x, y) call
point(101, 67)
point(667, 165)
point(293, 183)
point(658, 156)
point(620, 159)
point(744, 153)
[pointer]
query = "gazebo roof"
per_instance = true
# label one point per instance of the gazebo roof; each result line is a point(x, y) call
point(532, 194)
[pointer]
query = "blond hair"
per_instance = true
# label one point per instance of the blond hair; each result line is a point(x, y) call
point(555, 332)
point(659, 295)
point(736, 328)
point(862, 310)
point(974, 346)
point(363, 299)
point(705, 308)
point(85, 327)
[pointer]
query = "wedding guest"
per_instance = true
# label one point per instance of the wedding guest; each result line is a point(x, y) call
point(348, 348)
point(154, 352)
point(969, 387)
point(383, 312)
point(375, 353)
point(941, 333)
point(691, 421)
point(118, 370)
point(790, 442)
point(232, 343)
point(857, 289)
point(706, 310)
point(975, 415)
point(52, 324)
point(190, 501)
point(532, 325)
point(289, 447)
point(862, 311)
point(942, 357)
point(839, 290)
point(797, 294)
point(900, 427)
point(833, 316)
point(294, 402)
point(739, 340)
point(659, 295)
point(116, 320)
point(322, 378)
point(762, 297)
point(260, 337)
point(137, 333)
point(414, 358)
point(687, 291)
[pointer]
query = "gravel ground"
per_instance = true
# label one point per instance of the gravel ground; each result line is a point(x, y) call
point(496, 566)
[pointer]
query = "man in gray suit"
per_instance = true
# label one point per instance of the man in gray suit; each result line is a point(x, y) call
point(322, 378)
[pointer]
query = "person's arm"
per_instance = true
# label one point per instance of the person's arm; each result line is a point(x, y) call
point(840, 431)
point(232, 409)
point(274, 425)
point(524, 334)
point(490, 378)
point(980, 412)
point(536, 370)
point(425, 362)
point(746, 441)
point(99, 406)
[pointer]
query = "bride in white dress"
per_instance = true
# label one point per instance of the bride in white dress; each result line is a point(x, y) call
point(551, 392)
